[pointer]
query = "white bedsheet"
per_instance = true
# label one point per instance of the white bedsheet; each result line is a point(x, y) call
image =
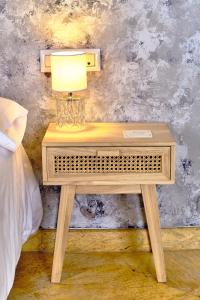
point(20, 211)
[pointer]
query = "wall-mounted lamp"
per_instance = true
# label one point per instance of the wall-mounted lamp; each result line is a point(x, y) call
point(68, 71)
point(69, 74)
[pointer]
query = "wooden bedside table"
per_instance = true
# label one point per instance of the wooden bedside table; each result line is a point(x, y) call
point(100, 160)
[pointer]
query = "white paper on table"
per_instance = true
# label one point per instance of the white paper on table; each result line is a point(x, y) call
point(128, 134)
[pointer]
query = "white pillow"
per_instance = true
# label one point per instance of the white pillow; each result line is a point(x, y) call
point(10, 111)
point(13, 119)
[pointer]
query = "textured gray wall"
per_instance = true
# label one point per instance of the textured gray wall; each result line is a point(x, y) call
point(151, 72)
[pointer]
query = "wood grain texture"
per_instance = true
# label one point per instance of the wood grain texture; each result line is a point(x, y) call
point(108, 189)
point(153, 220)
point(173, 163)
point(108, 179)
point(44, 163)
point(107, 134)
point(108, 276)
point(64, 217)
point(115, 240)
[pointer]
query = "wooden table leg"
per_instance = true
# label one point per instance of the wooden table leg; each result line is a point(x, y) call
point(64, 218)
point(153, 220)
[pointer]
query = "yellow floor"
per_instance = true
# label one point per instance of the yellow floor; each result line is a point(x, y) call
point(94, 276)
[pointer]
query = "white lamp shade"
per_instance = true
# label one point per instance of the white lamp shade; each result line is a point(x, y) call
point(68, 71)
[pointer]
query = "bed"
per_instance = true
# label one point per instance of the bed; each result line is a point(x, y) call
point(20, 201)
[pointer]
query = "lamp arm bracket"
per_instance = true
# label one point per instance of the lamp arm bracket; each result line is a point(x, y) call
point(93, 57)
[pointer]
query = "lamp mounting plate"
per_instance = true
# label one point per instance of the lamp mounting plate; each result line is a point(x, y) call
point(93, 58)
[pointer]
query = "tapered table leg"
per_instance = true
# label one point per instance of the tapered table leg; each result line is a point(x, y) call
point(153, 220)
point(64, 218)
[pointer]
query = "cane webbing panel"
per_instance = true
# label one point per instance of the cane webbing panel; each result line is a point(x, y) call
point(64, 164)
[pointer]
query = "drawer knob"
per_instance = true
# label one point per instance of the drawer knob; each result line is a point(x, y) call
point(108, 153)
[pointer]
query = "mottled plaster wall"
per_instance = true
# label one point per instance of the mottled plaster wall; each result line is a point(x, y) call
point(151, 72)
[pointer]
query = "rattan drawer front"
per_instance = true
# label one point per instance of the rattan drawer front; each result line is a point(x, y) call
point(65, 161)
point(107, 164)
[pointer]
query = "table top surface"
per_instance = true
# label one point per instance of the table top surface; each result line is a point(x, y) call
point(109, 134)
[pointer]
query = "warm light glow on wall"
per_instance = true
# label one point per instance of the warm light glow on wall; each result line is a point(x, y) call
point(68, 70)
